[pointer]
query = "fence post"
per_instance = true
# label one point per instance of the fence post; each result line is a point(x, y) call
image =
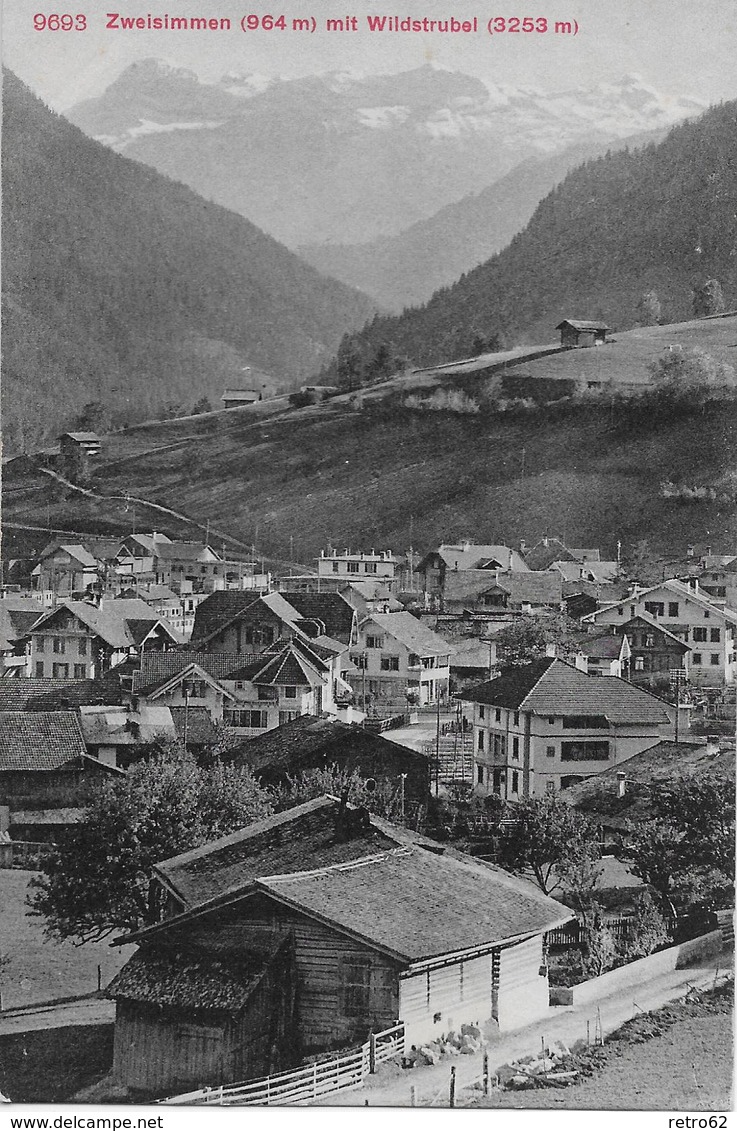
point(453, 1086)
point(486, 1073)
point(372, 1053)
point(99, 977)
point(412, 1096)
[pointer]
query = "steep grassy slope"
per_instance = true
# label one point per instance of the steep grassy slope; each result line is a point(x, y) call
point(661, 218)
point(124, 287)
point(386, 476)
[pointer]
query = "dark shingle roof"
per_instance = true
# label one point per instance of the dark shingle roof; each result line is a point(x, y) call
point(663, 763)
point(552, 687)
point(548, 550)
point(300, 838)
point(311, 741)
point(417, 904)
point(217, 609)
point(332, 609)
point(39, 740)
point(188, 980)
point(582, 324)
point(57, 694)
point(157, 667)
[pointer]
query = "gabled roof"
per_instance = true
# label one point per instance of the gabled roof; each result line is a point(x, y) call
point(410, 632)
point(395, 890)
point(678, 589)
point(157, 667)
point(331, 609)
point(553, 687)
point(521, 586)
point(309, 741)
point(74, 549)
point(582, 324)
point(651, 622)
point(84, 436)
point(587, 571)
point(289, 667)
point(545, 552)
point(467, 556)
point(17, 615)
point(183, 551)
point(192, 672)
point(39, 740)
point(299, 838)
point(224, 607)
point(121, 623)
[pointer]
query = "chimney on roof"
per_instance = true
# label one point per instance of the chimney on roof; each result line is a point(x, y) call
point(350, 822)
point(690, 550)
point(522, 545)
point(551, 649)
point(707, 551)
point(621, 784)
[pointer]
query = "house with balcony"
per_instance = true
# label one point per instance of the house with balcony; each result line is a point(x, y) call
point(690, 615)
point(544, 726)
point(398, 660)
point(80, 640)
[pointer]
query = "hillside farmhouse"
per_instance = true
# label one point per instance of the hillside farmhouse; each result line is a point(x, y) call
point(576, 333)
point(546, 725)
point(387, 927)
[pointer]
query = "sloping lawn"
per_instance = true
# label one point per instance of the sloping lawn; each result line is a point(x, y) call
point(679, 1058)
point(41, 970)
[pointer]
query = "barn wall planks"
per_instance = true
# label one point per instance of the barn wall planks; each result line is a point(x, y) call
point(523, 990)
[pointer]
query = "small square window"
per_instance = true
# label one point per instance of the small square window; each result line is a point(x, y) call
point(715, 659)
point(696, 658)
point(550, 751)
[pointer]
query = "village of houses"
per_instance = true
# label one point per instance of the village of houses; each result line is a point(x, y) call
point(320, 942)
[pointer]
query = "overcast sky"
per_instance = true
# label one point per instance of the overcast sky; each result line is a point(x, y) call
point(681, 47)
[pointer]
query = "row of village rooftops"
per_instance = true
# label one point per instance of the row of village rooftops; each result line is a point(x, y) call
point(464, 591)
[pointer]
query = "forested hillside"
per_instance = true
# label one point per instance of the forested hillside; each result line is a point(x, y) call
point(658, 219)
point(406, 269)
point(123, 287)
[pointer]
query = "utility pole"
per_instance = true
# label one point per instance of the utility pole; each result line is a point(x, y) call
point(437, 744)
point(186, 716)
point(402, 778)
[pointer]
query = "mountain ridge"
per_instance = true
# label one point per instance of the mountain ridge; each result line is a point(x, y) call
point(123, 287)
point(340, 157)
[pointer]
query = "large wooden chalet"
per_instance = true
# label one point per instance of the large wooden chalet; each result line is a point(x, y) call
point(387, 926)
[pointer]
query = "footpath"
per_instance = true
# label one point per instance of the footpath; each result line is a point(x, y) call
point(392, 1086)
point(91, 1010)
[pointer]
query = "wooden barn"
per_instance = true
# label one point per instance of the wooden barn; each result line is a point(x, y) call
point(576, 333)
point(187, 1016)
point(388, 926)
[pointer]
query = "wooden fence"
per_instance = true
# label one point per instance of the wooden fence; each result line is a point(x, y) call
point(570, 934)
point(302, 1085)
point(22, 853)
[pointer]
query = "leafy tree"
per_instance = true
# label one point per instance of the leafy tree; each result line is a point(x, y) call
point(686, 850)
point(96, 881)
point(598, 944)
point(377, 797)
point(546, 839)
point(708, 299)
point(649, 309)
point(647, 930)
point(527, 638)
point(202, 405)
